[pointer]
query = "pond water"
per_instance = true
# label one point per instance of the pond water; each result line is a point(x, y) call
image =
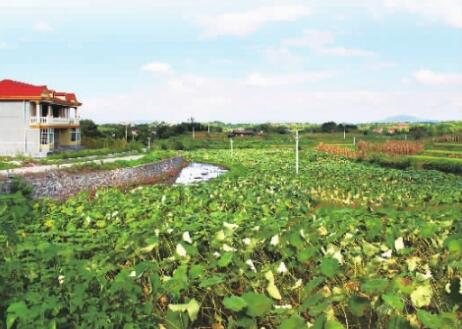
point(199, 172)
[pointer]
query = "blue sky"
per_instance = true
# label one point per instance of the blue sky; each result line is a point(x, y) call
point(241, 61)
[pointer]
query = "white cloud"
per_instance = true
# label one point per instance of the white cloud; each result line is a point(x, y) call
point(431, 78)
point(346, 52)
point(283, 56)
point(322, 42)
point(246, 22)
point(447, 11)
point(232, 100)
point(312, 39)
point(4, 45)
point(261, 80)
point(380, 65)
point(157, 67)
point(43, 26)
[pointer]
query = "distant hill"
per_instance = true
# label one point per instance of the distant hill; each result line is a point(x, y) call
point(405, 118)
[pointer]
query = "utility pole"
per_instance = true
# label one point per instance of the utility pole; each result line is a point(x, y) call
point(344, 131)
point(192, 128)
point(231, 146)
point(208, 128)
point(149, 143)
point(297, 158)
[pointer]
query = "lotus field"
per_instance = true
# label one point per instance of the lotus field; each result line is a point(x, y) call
point(342, 245)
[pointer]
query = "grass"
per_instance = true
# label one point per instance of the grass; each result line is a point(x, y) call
point(445, 146)
point(443, 153)
point(7, 165)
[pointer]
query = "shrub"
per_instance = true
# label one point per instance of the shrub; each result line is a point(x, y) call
point(177, 145)
point(444, 166)
point(390, 162)
point(19, 185)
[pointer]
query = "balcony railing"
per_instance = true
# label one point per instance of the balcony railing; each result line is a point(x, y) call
point(54, 121)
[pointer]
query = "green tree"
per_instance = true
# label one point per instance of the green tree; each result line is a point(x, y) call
point(328, 127)
point(89, 129)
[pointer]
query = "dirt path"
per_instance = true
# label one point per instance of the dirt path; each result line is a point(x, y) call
point(44, 168)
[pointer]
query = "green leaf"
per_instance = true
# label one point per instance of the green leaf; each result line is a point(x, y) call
point(247, 323)
point(294, 322)
point(428, 230)
point(212, 281)
point(358, 305)
point(192, 308)
point(394, 301)
point(397, 322)
point(225, 259)
point(16, 311)
point(234, 303)
point(455, 247)
point(176, 320)
point(333, 324)
point(329, 267)
point(257, 304)
point(151, 243)
point(196, 271)
point(438, 321)
point(306, 254)
point(404, 285)
point(310, 286)
point(374, 286)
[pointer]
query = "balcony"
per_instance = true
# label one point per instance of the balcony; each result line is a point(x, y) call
point(54, 121)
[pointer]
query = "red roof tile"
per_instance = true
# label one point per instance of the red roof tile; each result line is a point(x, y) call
point(10, 89)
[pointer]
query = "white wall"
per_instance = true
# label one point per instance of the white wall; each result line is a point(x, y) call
point(16, 136)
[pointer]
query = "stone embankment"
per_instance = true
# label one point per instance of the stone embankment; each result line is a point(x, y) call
point(60, 184)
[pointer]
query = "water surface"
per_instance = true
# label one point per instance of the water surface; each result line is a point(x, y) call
point(199, 172)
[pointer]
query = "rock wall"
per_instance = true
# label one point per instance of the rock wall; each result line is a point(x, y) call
point(60, 184)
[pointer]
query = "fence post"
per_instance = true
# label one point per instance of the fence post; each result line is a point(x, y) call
point(297, 158)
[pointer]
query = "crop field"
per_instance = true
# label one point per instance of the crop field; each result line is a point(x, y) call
point(342, 245)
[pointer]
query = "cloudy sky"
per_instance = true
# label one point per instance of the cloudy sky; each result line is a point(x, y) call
point(241, 60)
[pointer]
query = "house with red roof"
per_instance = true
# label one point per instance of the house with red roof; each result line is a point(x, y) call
point(36, 120)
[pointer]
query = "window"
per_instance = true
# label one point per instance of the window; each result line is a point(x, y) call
point(75, 134)
point(47, 136)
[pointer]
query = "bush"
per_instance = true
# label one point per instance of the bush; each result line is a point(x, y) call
point(19, 185)
point(444, 166)
point(177, 145)
point(390, 162)
point(15, 210)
